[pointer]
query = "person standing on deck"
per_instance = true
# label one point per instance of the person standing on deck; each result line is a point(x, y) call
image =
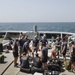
point(26, 48)
point(64, 48)
point(58, 45)
point(44, 56)
point(43, 41)
point(35, 44)
point(1, 47)
point(15, 52)
point(26, 38)
point(20, 36)
point(72, 55)
point(21, 43)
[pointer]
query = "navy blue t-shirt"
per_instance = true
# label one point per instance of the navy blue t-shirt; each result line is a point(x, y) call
point(21, 42)
point(64, 44)
point(15, 47)
point(44, 41)
point(37, 62)
point(58, 43)
point(44, 54)
point(26, 39)
point(25, 62)
point(35, 42)
point(11, 42)
point(25, 47)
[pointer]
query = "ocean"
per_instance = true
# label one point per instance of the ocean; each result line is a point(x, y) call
point(46, 26)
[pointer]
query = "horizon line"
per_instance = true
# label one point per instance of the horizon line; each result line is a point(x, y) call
point(37, 22)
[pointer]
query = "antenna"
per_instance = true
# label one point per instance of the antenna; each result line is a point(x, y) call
point(34, 28)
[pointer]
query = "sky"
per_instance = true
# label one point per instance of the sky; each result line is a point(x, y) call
point(37, 10)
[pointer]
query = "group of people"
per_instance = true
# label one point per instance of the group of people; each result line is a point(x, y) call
point(26, 51)
point(63, 47)
point(40, 61)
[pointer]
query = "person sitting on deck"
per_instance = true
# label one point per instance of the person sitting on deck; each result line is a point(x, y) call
point(25, 61)
point(37, 62)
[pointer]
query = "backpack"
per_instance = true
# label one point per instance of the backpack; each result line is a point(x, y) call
point(67, 65)
point(1, 58)
point(1, 47)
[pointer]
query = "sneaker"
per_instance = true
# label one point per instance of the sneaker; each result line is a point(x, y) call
point(16, 63)
point(71, 70)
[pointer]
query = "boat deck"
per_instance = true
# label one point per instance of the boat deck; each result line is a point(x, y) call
point(7, 68)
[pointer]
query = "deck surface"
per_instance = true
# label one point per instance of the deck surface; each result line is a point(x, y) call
point(12, 70)
point(8, 60)
point(16, 71)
